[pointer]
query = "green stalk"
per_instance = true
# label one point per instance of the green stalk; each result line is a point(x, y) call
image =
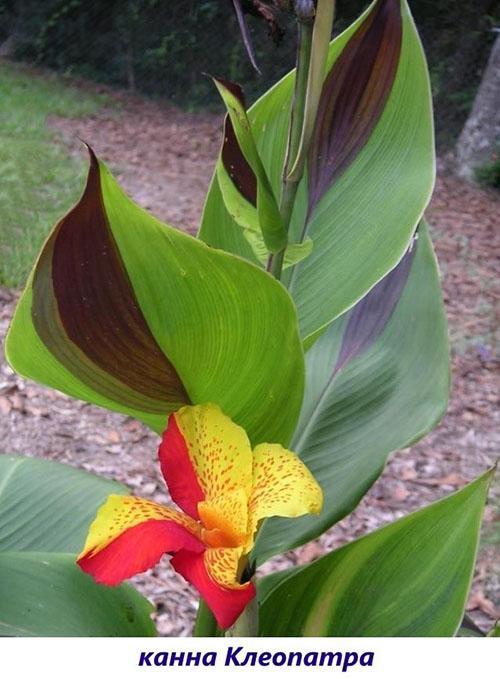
point(305, 33)
point(247, 624)
point(322, 32)
point(312, 53)
point(289, 188)
point(314, 39)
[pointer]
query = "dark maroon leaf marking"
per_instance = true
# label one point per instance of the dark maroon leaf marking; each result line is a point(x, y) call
point(86, 312)
point(235, 89)
point(235, 163)
point(370, 316)
point(354, 96)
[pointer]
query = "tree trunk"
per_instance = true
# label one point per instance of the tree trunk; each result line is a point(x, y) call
point(479, 141)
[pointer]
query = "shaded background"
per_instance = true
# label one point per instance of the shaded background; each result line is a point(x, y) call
point(162, 48)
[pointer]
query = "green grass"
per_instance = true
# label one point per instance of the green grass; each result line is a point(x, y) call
point(39, 180)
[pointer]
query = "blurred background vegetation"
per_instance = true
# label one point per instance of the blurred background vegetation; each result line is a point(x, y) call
point(162, 48)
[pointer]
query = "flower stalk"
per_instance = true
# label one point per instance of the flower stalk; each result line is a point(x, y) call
point(315, 26)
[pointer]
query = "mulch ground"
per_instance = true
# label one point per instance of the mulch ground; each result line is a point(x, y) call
point(164, 159)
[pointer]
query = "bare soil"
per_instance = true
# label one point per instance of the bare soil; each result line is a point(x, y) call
point(164, 158)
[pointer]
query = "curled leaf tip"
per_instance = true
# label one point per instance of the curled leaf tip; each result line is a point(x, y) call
point(234, 88)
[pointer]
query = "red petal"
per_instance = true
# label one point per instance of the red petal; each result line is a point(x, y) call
point(178, 470)
point(137, 549)
point(226, 603)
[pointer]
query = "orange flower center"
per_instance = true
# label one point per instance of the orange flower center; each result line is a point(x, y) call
point(225, 520)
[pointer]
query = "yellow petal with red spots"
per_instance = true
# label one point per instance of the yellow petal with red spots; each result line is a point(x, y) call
point(121, 512)
point(282, 486)
point(218, 448)
point(214, 574)
point(222, 566)
point(130, 535)
point(225, 519)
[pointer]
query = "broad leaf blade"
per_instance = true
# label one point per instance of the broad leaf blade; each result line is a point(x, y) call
point(355, 94)
point(410, 578)
point(361, 223)
point(46, 506)
point(132, 315)
point(377, 380)
point(48, 595)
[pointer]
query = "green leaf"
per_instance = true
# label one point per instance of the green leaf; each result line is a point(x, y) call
point(45, 512)
point(47, 595)
point(495, 632)
point(370, 177)
point(46, 506)
point(128, 313)
point(410, 578)
point(206, 625)
point(296, 252)
point(377, 380)
point(243, 180)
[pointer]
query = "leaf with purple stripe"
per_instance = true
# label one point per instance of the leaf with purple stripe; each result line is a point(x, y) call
point(127, 313)
point(370, 170)
point(377, 380)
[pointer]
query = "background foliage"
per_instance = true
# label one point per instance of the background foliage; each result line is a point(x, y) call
point(162, 48)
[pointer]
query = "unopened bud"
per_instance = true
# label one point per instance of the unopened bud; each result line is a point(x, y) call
point(305, 9)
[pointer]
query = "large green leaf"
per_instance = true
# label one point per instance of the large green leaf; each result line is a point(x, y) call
point(371, 171)
point(410, 578)
point(135, 316)
point(46, 506)
point(377, 380)
point(45, 512)
point(48, 595)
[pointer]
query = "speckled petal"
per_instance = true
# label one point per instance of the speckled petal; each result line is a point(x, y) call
point(282, 485)
point(219, 452)
point(129, 535)
point(214, 576)
point(225, 519)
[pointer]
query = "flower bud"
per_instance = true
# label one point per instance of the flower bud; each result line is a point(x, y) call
point(305, 9)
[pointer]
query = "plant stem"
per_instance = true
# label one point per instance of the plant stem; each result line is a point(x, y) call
point(286, 208)
point(247, 624)
point(305, 31)
point(289, 188)
point(322, 31)
point(312, 53)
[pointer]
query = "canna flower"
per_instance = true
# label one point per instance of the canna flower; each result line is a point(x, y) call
point(223, 489)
